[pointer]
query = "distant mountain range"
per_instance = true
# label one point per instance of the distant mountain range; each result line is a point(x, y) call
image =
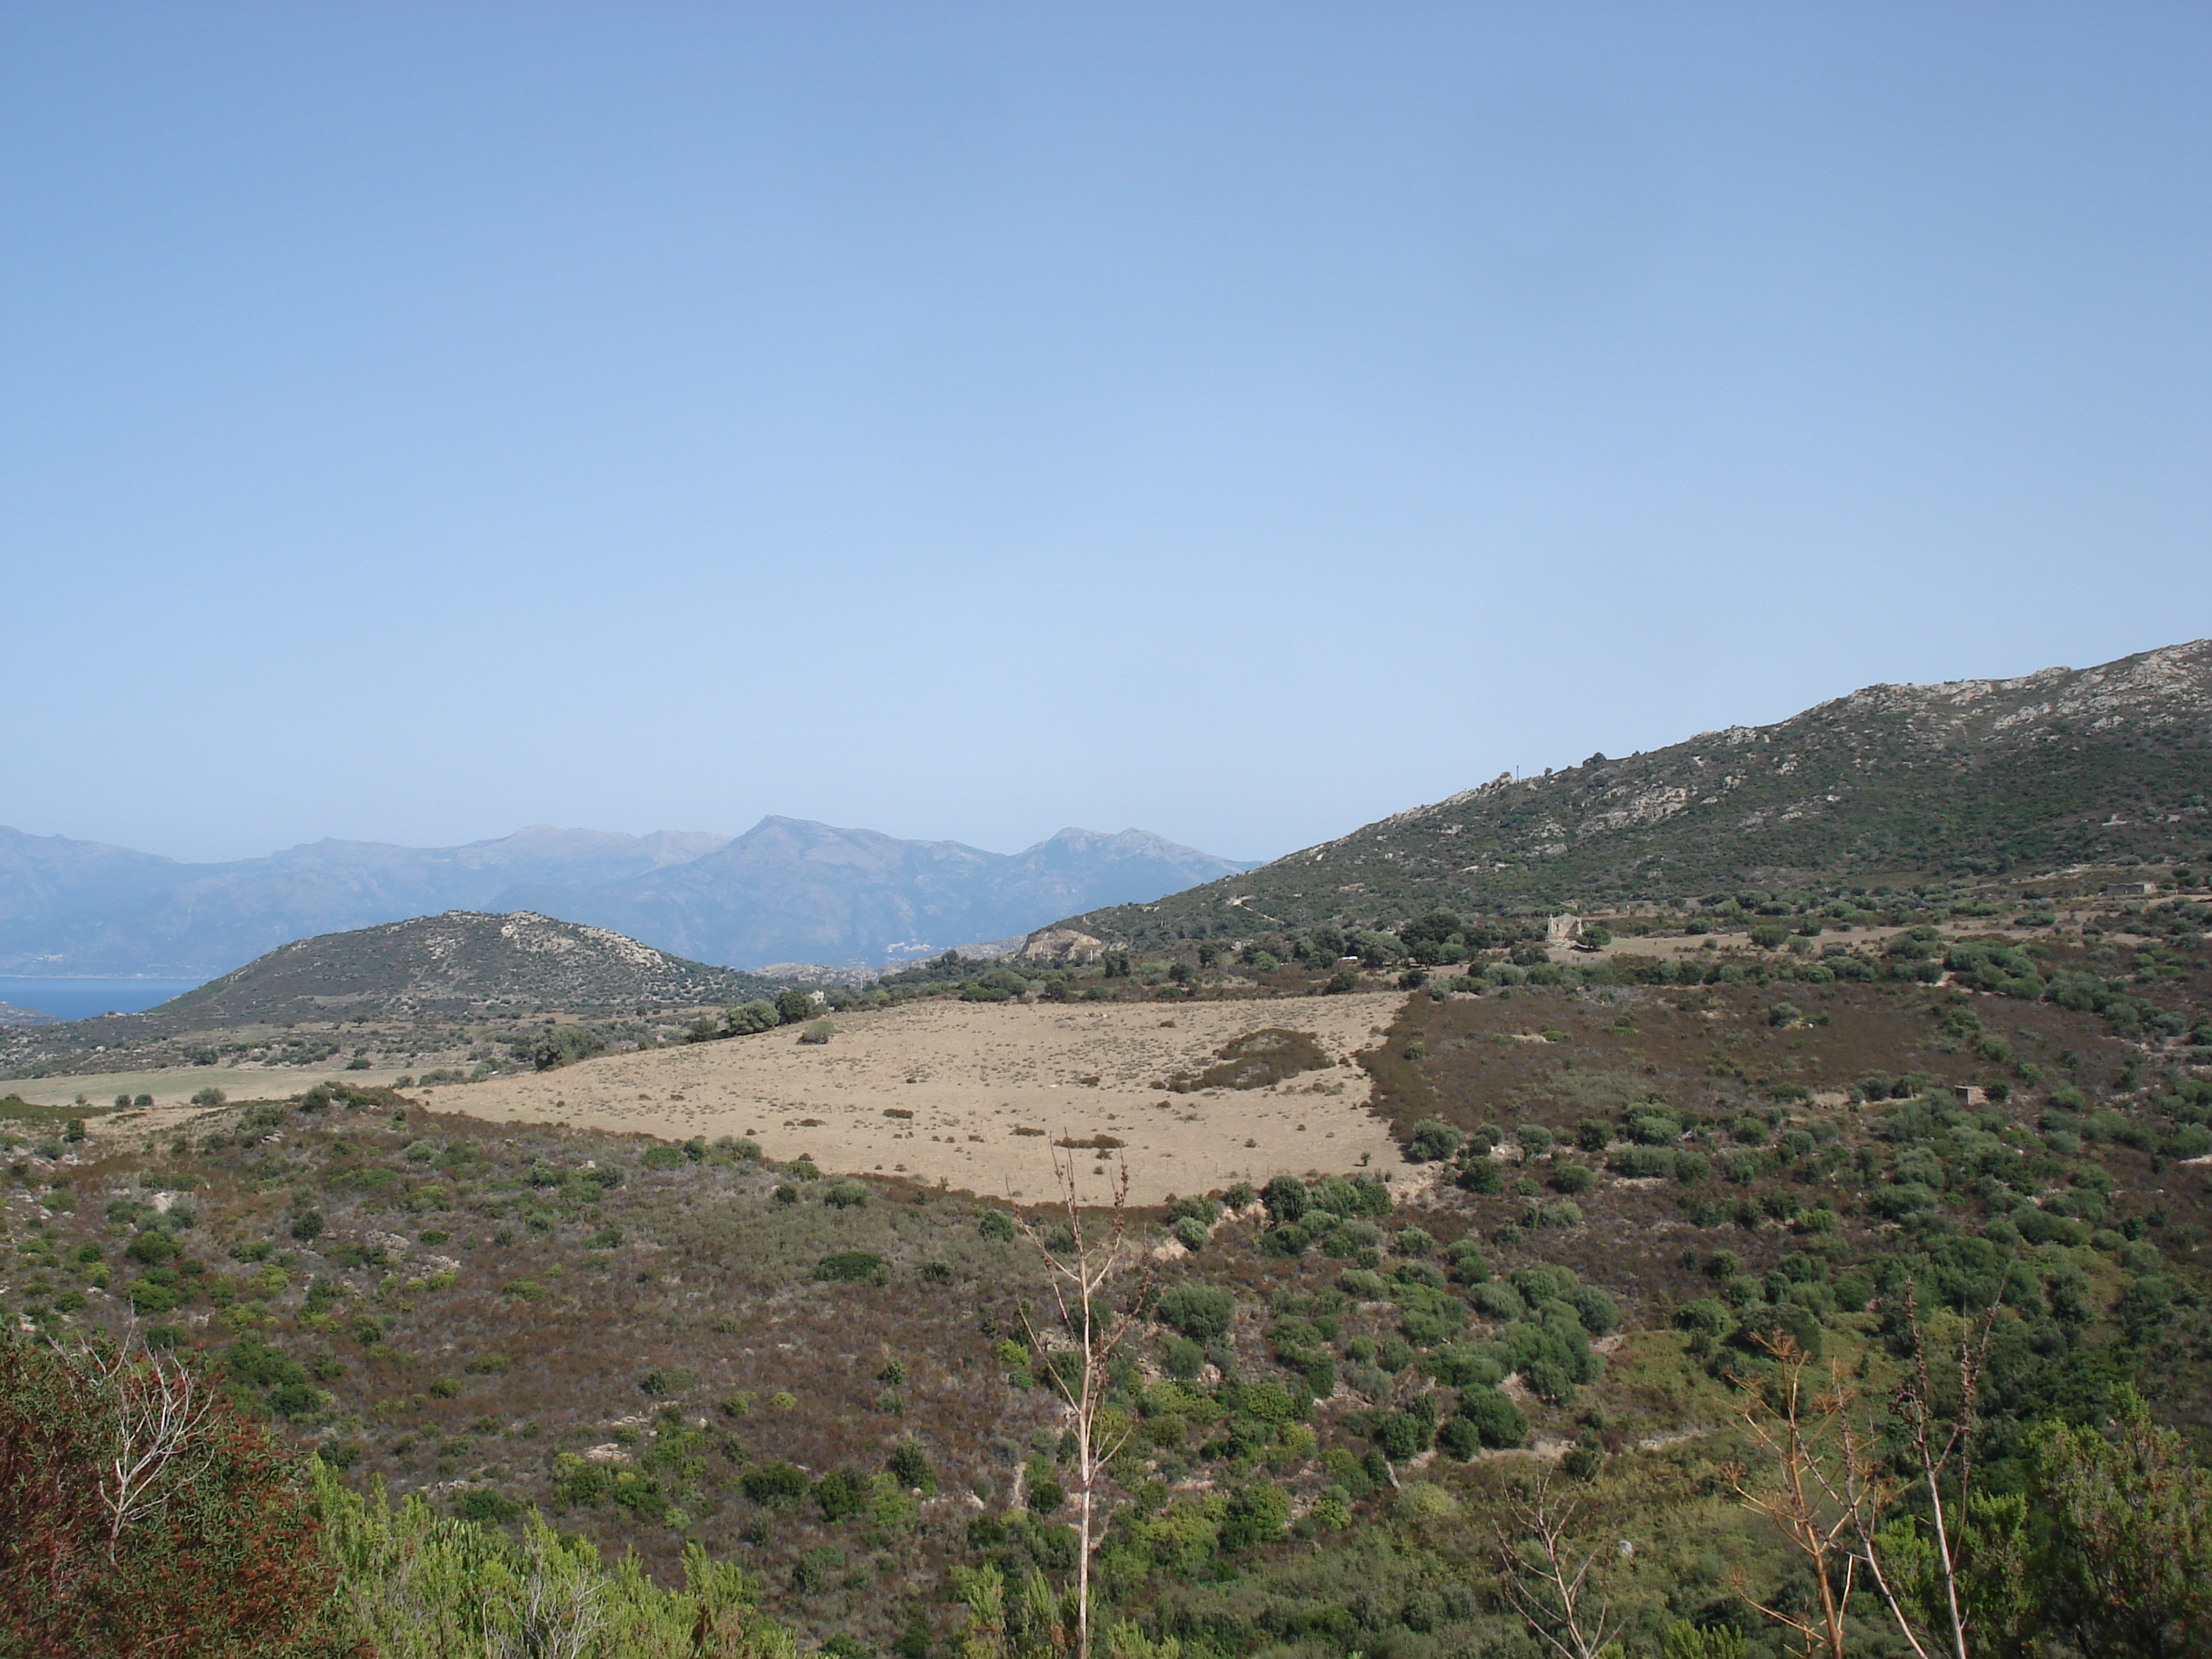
point(1892, 783)
point(787, 890)
point(791, 891)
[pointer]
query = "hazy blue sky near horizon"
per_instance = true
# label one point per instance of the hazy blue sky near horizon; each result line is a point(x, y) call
point(1239, 421)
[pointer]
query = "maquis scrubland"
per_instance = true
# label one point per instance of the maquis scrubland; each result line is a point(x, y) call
point(1788, 1240)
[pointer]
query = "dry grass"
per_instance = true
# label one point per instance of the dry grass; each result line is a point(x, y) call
point(976, 1077)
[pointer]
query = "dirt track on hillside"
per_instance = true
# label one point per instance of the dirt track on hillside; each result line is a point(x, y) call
point(969, 1076)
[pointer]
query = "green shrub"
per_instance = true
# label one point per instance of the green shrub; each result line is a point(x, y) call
point(1903, 1199)
point(839, 1496)
point(1430, 1316)
point(662, 1158)
point(563, 1045)
point(1460, 1438)
point(1285, 1197)
point(747, 1017)
point(1499, 1301)
point(1203, 1313)
point(996, 1225)
point(1573, 1179)
point(1464, 1368)
point(846, 1195)
point(1598, 1312)
point(1479, 1175)
point(1498, 1422)
point(845, 1266)
point(1431, 1141)
point(1254, 1516)
point(811, 1574)
point(775, 1483)
point(1467, 1266)
point(482, 1503)
point(1362, 1286)
point(909, 1466)
point(1852, 1291)
point(1406, 1433)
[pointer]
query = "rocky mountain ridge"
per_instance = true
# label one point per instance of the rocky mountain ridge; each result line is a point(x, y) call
point(1889, 782)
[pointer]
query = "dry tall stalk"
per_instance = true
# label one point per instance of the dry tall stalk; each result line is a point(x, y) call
point(1087, 1270)
point(1830, 1486)
point(1553, 1594)
point(1827, 1489)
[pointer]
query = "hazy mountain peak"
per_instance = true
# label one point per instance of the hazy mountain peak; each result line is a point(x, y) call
point(795, 891)
point(788, 889)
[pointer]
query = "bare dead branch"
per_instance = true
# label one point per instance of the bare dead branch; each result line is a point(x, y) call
point(161, 1409)
point(1088, 1269)
point(1553, 1594)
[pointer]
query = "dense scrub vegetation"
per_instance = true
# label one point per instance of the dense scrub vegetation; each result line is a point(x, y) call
point(731, 1403)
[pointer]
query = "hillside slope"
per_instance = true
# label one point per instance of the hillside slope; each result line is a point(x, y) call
point(459, 961)
point(2061, 767)
point(840, 1374)
point(791, 891)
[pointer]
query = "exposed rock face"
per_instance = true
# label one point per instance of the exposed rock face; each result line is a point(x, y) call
point(1061, 945)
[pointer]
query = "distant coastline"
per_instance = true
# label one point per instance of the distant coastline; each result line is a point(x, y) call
point(81, 997)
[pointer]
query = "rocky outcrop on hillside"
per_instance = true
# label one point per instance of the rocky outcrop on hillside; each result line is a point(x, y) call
point(1889, 782)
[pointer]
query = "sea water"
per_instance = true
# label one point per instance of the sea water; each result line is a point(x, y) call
point(80, 999)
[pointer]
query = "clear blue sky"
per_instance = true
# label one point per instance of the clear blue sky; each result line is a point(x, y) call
point(1240, 421)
